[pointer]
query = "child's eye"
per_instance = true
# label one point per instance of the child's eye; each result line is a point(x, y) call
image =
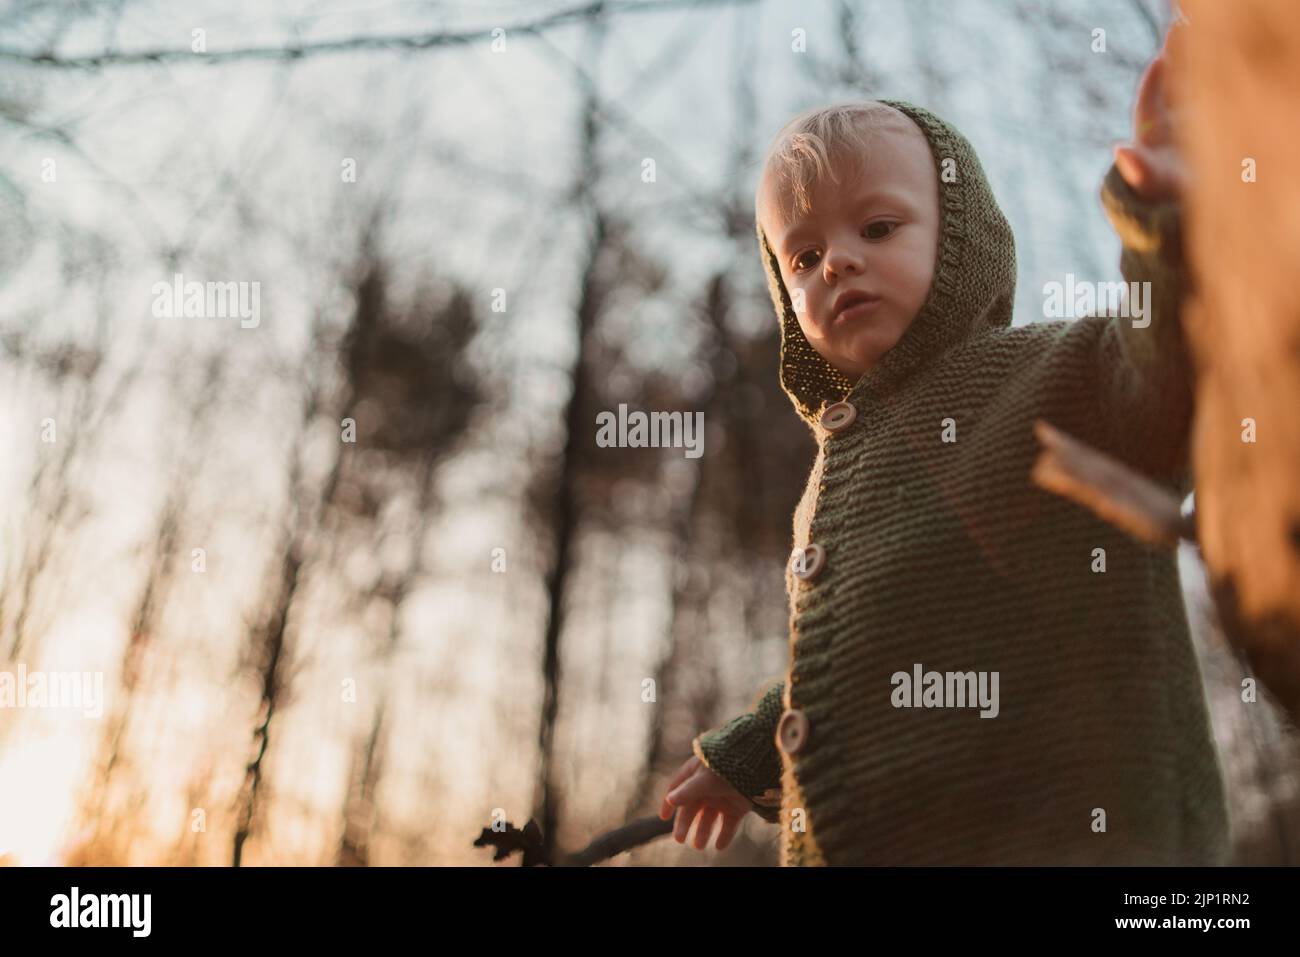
point(874, 230)
point(800, 259)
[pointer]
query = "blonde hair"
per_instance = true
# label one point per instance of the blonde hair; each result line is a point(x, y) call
point(809, 147)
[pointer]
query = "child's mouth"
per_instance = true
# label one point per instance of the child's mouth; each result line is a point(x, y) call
point(858, 309)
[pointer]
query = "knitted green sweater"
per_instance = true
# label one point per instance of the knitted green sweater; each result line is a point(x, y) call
point(943, 556)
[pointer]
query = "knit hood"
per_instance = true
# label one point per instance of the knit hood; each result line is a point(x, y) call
point(972, 291)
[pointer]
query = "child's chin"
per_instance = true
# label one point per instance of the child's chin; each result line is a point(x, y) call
point(864, 354)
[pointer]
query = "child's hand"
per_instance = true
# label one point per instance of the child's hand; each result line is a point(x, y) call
point(695, 790)
point(1152, 165)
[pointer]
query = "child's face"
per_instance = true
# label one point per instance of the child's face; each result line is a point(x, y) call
point(876, 234)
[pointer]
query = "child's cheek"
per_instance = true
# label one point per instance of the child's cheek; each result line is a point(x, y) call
point(804, 302)
point(916, 272)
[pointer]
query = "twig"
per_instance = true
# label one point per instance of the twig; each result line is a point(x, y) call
point(1114, 492)
point(643, 830)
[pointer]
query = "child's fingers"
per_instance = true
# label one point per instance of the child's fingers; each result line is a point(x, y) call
point(1156, 175)
point(730, 824)
point(1132, 167)
point(683, 823)
point(692, 789)
point(685, 771)
point(672, 800)
point(704, 827)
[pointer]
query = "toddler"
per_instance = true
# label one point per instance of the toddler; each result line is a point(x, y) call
point(929, 574)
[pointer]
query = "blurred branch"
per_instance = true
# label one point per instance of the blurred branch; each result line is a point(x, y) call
point(1074, 29)
point(149, 227)
point(686, 594)
point(423, 41)
point(103, 828)
point(565, 507)
point(605, 108)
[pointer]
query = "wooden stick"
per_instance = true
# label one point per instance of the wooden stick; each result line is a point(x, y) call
point(640, 831)
point(1114, 492)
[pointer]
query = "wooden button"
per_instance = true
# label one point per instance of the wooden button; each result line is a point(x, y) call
point(807, 563)
point(792, 732)
point(837, 416)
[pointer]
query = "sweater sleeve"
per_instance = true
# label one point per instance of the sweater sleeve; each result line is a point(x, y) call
point(1144, 372)
point(743, 752)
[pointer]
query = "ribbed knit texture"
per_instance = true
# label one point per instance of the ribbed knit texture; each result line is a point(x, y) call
point(945, 554)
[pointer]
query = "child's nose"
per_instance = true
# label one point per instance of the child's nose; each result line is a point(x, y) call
point(843, 261)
